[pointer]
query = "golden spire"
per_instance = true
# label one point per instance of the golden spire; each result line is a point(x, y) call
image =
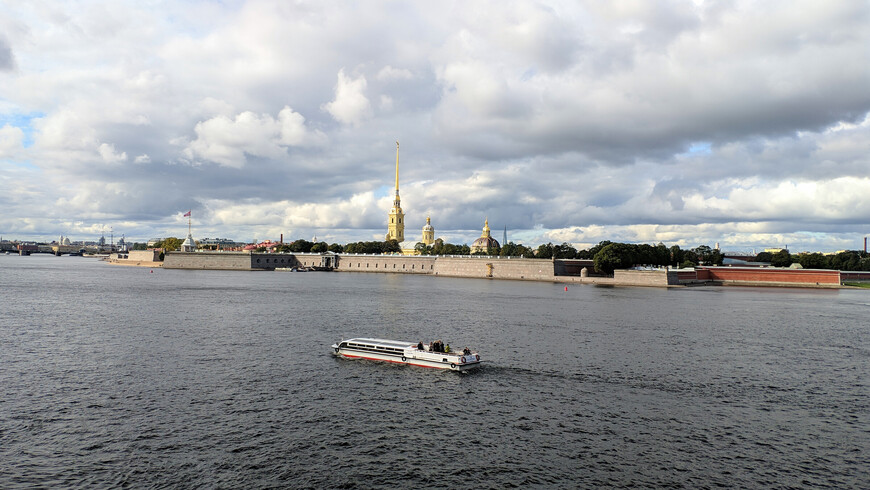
point(397, 170)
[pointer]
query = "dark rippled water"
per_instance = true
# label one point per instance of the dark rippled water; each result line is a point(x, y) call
point(114, 376)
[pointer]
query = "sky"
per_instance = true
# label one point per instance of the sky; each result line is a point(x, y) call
point(743, 123)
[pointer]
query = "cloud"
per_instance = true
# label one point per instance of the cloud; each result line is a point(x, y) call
point(389, 73)
point(110, 156)
point(350, 105)
point(227, 141)
point(11, 141)
point(7, 59)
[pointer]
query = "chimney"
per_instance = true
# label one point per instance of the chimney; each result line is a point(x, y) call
point(282, 238)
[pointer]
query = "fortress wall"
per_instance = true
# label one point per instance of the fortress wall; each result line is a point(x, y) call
point(198, 260)
point(494, 267)
point(270, 261)
point(386, 263)
point(657, 278)
point(573, 267)
point(855, 276)
point(646, 278)
point(757, 275)
point(143, 255)
point(237, 261)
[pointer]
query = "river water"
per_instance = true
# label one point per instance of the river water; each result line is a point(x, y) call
point(113, 376)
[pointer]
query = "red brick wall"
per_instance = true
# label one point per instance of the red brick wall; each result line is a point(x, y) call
point(752, 274)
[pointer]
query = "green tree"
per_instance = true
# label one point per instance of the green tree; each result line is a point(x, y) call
point(590, 253)
point(690, 257)
point(849, 260)
point(781, 259)
point(545, 251)
point(676, 255)
point(764, 257)
point(336, 248)
point(813, 261)
point(614, 256)
point(319, 247)
point(301, 246)
point(169, 244)
point(708, 256)
point(565, 251)
point(645, 254)
point(391, 246)
point(662, 255)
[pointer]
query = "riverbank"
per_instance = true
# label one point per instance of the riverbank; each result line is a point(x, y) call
point(134, 263)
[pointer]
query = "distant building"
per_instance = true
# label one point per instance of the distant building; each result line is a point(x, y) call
point(153, 241)
point(428, 233)
point(486, 243)
point(219, 244)
point(188, 245)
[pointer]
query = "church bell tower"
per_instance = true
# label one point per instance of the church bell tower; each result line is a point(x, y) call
point(396, 223)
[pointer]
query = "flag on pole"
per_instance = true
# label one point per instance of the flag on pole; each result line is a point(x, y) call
point(187, 214)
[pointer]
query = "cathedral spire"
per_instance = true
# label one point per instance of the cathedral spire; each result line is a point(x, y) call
point(397, 170)
point(396, 225)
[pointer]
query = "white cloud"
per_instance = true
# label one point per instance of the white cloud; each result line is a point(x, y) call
point(227, 141)
point(350, 105)
point(110, 156)
point(388, 73)
point(11, 141)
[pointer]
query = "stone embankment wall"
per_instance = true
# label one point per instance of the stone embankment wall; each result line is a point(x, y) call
point(495, 268)
point(382, 263)
point(239, 261)
point(656, 278)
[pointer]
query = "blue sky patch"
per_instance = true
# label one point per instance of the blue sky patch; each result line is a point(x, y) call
point(23, 122)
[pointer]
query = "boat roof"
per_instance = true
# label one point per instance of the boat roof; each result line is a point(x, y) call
point(384, 342)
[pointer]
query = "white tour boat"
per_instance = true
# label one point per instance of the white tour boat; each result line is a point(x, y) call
point(406, 353)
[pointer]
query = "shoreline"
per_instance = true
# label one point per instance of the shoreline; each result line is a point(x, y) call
point(134, 263)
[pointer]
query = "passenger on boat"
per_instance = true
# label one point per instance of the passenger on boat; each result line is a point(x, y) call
point(466, 351)
point(447, 348)
point(420, 345)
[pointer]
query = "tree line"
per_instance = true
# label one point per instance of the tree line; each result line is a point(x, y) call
point(847, 260)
